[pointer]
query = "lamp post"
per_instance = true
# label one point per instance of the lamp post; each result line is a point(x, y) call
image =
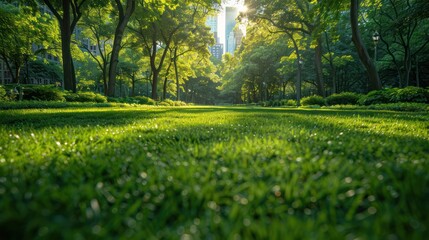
point(375, 39)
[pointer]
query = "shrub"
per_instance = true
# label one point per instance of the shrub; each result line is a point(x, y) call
point(410, 94)
point(3, 95)
point(395, 95)
point(169, 102)
point(179, 103)
point(288, 102)
point(313, 100)
point(344, 98)
point(113, 100)
point(144, 100)
point(377, 97)
point(163, 103)
point(85, 97)
point(42, 93)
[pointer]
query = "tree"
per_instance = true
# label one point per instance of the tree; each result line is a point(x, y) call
point(98, 28)
point(160, 28)
point(19, 30)
point(373, 78)
point(124, 15)
point(299, 17)
point(67, 13)
point(404, 34)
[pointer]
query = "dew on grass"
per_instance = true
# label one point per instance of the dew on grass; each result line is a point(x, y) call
point(348, 180)
point(95, 206)
point(372, 210)
point(143, 175)
point(307, 211)
point(212, 205)
point(350, 193)
point(246, 222)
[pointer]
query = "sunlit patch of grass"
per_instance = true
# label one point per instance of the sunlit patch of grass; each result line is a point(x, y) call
point(213, 172)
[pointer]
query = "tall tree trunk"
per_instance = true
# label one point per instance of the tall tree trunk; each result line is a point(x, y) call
point(155, 85)
point(319, 71)
point(417, 71)
point(65, 47)
point(133, 85)
point(408, 65)
point(104, 72)
point(124, 17)
point(373, 78)
point(298, 74)
point(177, 75)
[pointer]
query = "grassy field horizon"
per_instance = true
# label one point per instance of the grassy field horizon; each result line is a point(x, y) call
point(213, 172)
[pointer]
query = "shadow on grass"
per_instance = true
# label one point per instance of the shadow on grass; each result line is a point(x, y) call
point(118, 166)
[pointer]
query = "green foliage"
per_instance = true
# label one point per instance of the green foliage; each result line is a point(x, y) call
point(289, 102)
point(403, 107)
point(343, 98)
point(3, 94)
point(377, 97)
point(144, 100)
point(410, 94)
point(395, 95)
point(42, 93)
point(313, 100)
point(169, 102)
point(52, 104)
point(133, 100)
point(279, 103)
point(85, 97)
point(213, 173)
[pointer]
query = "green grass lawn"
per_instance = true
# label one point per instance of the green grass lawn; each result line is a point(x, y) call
point(213, 173)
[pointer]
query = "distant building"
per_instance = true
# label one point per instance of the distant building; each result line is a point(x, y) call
point(231, 14)
point(217, 49)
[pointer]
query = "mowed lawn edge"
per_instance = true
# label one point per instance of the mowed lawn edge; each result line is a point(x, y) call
point(213, 172)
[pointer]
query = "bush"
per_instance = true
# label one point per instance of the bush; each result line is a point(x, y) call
point(163, 103)
point(313, 100)
point(345, 98)
point(395, 95)
point(3, 95)
point(377, 97)
point(42, 93)
point(85, 97)
point(289, 102)
point(179, 103)
point(169, 102)
point(410, 94)
point(144, 100)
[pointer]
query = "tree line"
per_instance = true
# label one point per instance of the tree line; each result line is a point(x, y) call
point(106, 43)
point(160, 49)
point(325, 47)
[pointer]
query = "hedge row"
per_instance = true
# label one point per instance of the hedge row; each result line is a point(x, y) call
point(51, 93)
point(385, 96)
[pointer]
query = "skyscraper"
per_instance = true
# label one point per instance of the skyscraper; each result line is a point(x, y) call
point(231, 14)
point(217, 49)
